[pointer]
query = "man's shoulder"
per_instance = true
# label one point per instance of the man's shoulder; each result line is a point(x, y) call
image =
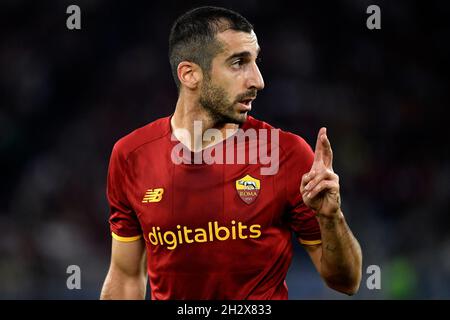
point(296, 155)
point(253, 123)
point(287, 139)
point(148, 133)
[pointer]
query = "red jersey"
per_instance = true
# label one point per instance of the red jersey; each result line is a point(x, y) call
point(212, 231)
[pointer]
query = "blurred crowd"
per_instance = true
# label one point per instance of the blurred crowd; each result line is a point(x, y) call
point(68, 95)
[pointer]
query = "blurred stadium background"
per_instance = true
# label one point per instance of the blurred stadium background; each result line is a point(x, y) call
point(67, 96)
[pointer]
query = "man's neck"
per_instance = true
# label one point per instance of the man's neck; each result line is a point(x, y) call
point(190, 117)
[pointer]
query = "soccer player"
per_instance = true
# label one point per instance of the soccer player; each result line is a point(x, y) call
point(202, 228)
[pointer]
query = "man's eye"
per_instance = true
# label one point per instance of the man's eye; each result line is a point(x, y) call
point(238, 62)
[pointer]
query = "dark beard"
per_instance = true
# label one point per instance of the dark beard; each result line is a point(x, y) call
point(221, 110)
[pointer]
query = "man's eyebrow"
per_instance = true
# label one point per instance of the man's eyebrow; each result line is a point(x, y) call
point(242, 54)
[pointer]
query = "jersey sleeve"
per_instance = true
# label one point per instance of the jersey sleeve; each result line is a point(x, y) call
point(301, 219)
point(124, 224)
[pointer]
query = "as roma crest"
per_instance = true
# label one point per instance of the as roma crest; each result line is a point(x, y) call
point(248, 188)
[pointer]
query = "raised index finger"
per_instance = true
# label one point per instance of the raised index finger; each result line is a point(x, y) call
point(323, 152)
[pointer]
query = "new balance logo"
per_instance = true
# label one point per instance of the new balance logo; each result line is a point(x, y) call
point(153, 195)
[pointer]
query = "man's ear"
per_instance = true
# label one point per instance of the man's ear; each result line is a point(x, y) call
point(190, 74)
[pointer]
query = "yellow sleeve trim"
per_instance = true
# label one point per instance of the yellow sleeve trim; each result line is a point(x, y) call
point(310, 242)
point(125, 239)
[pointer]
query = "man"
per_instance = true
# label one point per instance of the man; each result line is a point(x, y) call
point(210, 229)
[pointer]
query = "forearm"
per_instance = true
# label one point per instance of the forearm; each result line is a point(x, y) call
point(118, 286)
point(341, 260)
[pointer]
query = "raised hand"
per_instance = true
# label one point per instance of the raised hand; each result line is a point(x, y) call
point(320, 186)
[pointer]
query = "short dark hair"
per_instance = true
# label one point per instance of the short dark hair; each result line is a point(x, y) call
point(192, 37)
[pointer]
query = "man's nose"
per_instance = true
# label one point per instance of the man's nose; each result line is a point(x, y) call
point(255, 79)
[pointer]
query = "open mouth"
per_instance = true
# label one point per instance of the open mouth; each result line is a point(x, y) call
point(245, 105)
point(246, 102)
